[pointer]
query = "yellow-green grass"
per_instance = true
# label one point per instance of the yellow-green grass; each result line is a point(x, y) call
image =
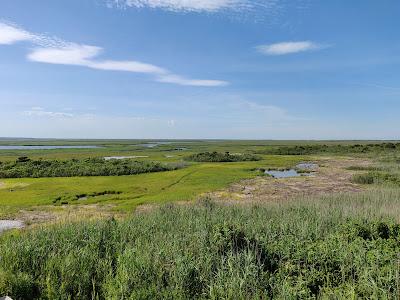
point(184, 184)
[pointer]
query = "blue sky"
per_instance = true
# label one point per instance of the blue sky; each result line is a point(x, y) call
point(234, 69)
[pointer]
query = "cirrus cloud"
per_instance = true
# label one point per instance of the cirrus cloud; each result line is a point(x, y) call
point(55, 51)
point(289, 47)
point(182, 5)
point(171, 78)
point(41, 112)
point(11, 34)
point(208, 6)
point(74, 54)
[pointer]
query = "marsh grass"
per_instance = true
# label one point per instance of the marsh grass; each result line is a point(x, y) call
point(388, 178)
point(364, 168)
point(158, 187)
point(333, 247)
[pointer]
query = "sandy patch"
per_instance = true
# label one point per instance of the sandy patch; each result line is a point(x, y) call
point(65, 213)
point(331, 177)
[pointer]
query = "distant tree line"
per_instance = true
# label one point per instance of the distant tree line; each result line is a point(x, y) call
point(221, 157)
point(25, 167)
point(339, 149)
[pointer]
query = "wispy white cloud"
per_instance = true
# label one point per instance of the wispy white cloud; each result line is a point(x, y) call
point(55, 51)
point(74, 54)
point(181, 5)
point(227, 116)
point(208, 6)
point(171, 78)
point(289, 47)
point(84, 55)
point(11, 34)
point(41, 112)
point(127, 66)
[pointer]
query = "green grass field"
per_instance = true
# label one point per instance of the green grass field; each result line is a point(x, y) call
point(184, 184)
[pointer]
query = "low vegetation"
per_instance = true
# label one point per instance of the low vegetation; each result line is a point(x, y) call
point(222, 157)
point(377, 178)
point(65, 199)
point(342, 247)
point(364, 168)
point(24, 167)
point(331, 149)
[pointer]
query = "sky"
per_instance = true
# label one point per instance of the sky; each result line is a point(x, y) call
point(200, 69)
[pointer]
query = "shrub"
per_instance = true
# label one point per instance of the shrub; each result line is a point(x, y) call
point(24, 167)
point(221, 157)
point(368, 178)
point(376, 177)
point(339, 149)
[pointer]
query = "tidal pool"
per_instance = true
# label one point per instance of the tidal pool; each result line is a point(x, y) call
point(10, 224)
point(283, 174)
point(302, 169)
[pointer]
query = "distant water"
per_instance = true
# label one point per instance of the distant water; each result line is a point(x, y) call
point(309, 167)
point(154, 144)
point(45, 147)
point(124, 157)
point(283, 174)
point(10, 224)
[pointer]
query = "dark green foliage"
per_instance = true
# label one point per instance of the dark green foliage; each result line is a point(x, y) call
point(229, 239)
point(377, 177)
point(221, 157)
point(207, 252)
point(23, 159)
point(331, 149)
point(363, 178)
point(84, 167)
point(372, 230)
point(66, 198)
point(364, 168)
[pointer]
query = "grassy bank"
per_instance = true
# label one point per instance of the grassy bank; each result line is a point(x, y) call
point(342, 247)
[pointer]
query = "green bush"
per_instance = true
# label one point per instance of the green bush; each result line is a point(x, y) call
point(221, 157)
point(376, 177)
point(84, 167)
point(331, 149)
point(368, 178)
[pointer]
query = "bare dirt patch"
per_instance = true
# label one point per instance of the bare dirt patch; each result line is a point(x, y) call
point(67, 213)
point(2, 184)
point(331, 177)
